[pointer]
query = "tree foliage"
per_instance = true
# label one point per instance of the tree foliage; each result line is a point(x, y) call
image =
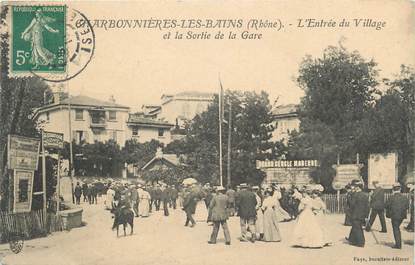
point(344, 112)
point(250, 138)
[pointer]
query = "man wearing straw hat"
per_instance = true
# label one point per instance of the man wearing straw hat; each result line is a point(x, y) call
point(218, 208)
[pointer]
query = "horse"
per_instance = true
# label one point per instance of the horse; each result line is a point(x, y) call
point(123, 216)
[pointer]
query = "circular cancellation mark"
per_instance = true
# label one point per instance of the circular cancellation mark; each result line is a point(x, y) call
point(80, 47)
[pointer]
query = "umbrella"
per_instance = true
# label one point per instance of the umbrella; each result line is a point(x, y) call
point(189, 181)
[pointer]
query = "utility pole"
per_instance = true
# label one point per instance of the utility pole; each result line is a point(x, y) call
point(71, 166)
point(220, 133)
point(229, 144)
point(44, 174)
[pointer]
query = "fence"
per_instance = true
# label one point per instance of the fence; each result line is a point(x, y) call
point(337, 206)
point(32, 224)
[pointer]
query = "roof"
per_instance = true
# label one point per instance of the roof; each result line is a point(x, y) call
point(170, 158)
point(196, 95)
point(283, 110)
point(137, 119)
point(82, 100)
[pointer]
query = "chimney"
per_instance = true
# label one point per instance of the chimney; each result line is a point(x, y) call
point(111, 99)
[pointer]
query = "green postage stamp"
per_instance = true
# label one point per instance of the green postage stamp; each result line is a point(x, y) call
point(38, 39)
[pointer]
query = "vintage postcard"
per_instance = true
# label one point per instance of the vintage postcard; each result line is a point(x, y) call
point(207, 132)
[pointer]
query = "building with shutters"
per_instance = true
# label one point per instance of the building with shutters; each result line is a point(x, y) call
point(91, 119)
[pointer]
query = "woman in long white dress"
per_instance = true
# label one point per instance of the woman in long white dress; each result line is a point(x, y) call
point(109, 200)
point(259, 223)
point(271, 231)
point(281, 214)
point(320, 209)
point(144, 202)
point(307, 231)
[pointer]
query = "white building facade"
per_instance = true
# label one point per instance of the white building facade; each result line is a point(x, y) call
point(90, 119)
point(286, 121)
point(179, 108)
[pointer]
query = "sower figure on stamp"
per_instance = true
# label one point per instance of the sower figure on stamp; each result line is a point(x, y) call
point(396, 209)
point(246, 205)
point(34, 34)
point(219, 214)
point(359, 209)
point(377, 206)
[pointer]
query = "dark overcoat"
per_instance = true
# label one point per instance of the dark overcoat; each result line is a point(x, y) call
point(377, 201)
point(246, 204)
point(397, 207)
point(189, 203)
point(359, 205)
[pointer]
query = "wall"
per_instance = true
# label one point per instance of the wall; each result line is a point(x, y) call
point(58, 122)
point(284, 127)
point(186, 108)
point(146, 134)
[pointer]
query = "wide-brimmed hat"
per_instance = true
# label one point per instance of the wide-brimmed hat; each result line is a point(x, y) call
point(255, 187)
point(396, 185)
point(243, 185)
point(220, 188)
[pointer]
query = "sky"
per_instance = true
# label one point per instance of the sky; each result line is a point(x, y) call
point(137, 66)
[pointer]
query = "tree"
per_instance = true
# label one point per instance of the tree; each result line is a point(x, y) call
point(18, 98)
point(251, 133)
point(139, 153)
point(340, 88)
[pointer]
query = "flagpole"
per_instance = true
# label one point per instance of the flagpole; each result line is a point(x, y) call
point(229, 145)
point(220, 133)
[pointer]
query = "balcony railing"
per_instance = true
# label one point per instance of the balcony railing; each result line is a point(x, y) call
point(98, 123)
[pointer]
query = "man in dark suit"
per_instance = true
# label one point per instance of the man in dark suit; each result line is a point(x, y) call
point(359, 209)
point(246, 205)
point(218, 208)
point(165, 198)
point(410, 226)
point(157, 197)
point(173, 196)
point(78, 193)
point(396, 209)
point(377, 206)
point(189, 207)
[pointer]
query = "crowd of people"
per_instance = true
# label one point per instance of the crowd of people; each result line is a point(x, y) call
point(261, 209)
point(363, 208)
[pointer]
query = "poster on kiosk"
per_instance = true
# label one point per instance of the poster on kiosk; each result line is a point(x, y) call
point(383, 168)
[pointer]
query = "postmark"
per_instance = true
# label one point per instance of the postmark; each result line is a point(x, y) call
point(54, 48)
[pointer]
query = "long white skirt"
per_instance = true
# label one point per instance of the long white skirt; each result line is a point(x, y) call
point(144, 208)
point(259, 224)
point(307, 231)
point(201, 213)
